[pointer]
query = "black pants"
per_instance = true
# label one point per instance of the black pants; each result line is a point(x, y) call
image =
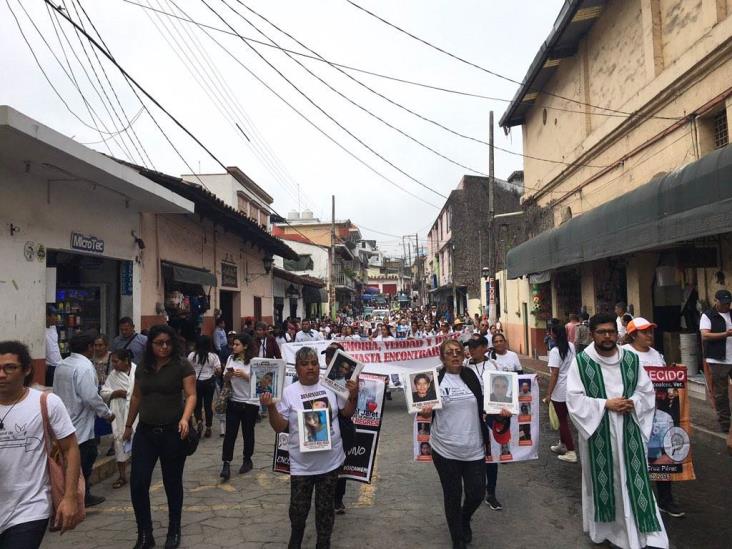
point(26, 535)
point(663, 489)
point(239, 413)
point(205, 392)
point(340, 490)
point(455, 474)
point(301, 495)
point(88, 454)
point(491, 478)
point(149, 445)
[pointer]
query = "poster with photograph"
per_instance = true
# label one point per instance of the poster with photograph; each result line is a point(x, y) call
point(422, 449)
point(422, 390)
point(370, 404)
point(342, 368)
point(281, 457)
point(314, 430)
point(502, 391)
point(522, 440)
point(268, 376)
point(669, 448)
point(524, 411)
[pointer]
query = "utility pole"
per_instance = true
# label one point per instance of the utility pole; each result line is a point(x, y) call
point(331, 279)
point(491, 239)
point(419, 268)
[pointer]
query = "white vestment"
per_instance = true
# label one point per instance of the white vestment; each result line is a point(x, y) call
point(586, 414)
point(119, 406)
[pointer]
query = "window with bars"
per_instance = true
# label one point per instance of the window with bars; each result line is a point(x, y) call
point(720, 131)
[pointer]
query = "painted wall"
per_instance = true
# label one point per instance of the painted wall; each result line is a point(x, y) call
point(46, 214)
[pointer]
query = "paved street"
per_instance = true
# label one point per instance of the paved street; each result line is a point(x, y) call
point(402, 508)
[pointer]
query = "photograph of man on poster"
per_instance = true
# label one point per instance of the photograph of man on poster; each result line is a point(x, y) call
point(501, 392)
point(422, 390)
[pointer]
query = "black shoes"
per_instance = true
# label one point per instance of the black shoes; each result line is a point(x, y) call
point(225, 471)
point(246, 466)
point(145, 540)
point(91, 501)
point(493, 503)
point(340, 509)
point(173, 539)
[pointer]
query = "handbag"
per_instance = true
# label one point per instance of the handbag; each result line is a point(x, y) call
point(192, 440)
point(553, 417)
point(57, 469)
point(223, 399)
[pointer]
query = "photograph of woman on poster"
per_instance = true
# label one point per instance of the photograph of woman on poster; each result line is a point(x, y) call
point(316, 424)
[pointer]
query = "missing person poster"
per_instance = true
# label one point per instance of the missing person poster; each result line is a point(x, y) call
point(268, 376)
point(341, 369)
point(281, 458)
point(422, 390)
point(515, 440)
point(501, 391)
point(669, 448)
point(314, 430)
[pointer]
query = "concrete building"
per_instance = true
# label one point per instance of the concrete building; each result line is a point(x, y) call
point(311, 270)
point(458, 244)
point(72, 228)
point(624, 116)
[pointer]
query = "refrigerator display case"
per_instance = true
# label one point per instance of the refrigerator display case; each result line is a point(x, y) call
point(81, 307)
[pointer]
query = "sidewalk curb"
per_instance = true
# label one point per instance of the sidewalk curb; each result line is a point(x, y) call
point(698, 432)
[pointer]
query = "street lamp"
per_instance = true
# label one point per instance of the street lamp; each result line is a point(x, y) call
point(267, 261)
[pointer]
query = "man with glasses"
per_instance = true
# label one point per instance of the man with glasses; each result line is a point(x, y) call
point(24, 486)
point(611, 401)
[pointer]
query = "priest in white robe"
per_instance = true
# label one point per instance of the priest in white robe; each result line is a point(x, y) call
point(611, 401)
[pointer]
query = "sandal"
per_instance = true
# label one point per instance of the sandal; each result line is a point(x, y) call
point(119, 483)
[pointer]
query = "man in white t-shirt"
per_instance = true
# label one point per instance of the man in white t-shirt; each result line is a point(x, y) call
point(307, 333)
point(24, 484)
point(715, 326)
point(53, 353)
point(621, 311)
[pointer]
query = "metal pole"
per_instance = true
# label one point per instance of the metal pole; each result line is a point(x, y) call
point(332, 307)
point(419, 269)
point(491, 237)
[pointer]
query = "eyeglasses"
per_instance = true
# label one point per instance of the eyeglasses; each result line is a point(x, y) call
point(163, 343)
point(454, 352)
point(606, 332)
point(10, 368)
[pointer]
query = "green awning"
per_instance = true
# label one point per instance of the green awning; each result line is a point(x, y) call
point(692, 202)
point(188, 275)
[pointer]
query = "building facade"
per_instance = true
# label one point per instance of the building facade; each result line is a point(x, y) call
point(624, 116)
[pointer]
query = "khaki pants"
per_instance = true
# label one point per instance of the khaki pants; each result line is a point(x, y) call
point(721, 374)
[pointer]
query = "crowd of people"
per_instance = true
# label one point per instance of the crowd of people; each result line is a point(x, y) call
point(155, 391)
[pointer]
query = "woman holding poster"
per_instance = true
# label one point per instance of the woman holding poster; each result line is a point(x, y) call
point(640, 332)
point(311, 468)
point(458, 441)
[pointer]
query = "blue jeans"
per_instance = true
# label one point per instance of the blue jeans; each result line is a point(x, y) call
point(26, 535)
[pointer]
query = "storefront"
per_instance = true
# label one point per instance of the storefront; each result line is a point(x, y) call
point(72, 221)
point(296, 296)
point(187, 297)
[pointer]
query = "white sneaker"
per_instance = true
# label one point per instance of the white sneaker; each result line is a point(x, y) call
point(558, 448)
point(569, 457)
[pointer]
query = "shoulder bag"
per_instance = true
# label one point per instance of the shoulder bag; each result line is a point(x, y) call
point(57, 469)
point(222, 400)
point(192, 440)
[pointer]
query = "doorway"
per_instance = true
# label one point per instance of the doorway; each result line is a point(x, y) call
point(257, 309)
point(525, 317)
point(226, 306)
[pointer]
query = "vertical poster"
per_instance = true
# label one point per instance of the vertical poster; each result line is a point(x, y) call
point(669, 448)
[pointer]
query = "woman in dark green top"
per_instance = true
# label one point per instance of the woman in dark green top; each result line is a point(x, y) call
point(164, 396)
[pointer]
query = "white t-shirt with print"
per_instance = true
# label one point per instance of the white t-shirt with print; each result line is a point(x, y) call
point(303, 397)
point(509, 362)
point(480, 367)
point(559, 394)
point(649, 358)
point(706, 324)
point(24, 485)
point(456, 430)
point(241, 389)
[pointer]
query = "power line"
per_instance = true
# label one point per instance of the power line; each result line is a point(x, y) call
point(319, 108)
point(354, 103)
point(310, 122)
point(488, 71)
point(132, 121)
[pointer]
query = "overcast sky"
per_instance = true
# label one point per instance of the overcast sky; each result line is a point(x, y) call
point(501, 36)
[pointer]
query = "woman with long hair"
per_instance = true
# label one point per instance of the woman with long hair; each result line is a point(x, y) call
point(164, 397)
point(207, 366)
point(561, 358)
point(241, 408)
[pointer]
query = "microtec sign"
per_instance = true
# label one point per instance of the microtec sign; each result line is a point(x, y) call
point(87, 243)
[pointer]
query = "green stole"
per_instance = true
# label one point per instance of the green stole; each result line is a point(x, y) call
point(634, 452)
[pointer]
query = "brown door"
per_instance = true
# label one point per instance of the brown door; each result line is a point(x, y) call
point(257, 308)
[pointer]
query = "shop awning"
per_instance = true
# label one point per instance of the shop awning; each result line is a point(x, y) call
point(690, 203)
point(188, 275)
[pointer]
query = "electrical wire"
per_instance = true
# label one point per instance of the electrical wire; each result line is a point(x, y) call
point(313, 124)
point(323, 111)
point(132, 121)
point(494, 73)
